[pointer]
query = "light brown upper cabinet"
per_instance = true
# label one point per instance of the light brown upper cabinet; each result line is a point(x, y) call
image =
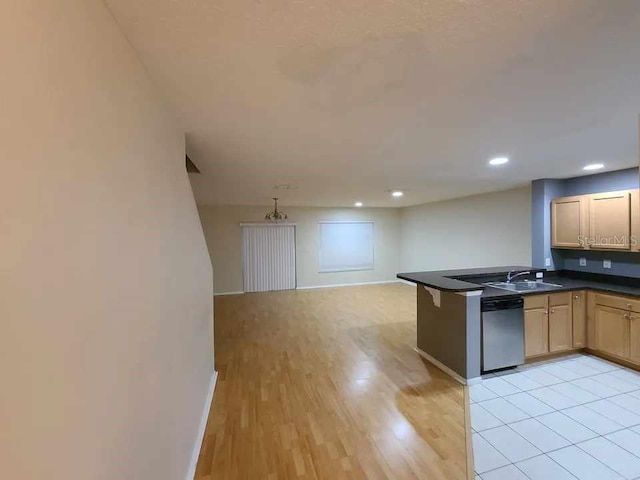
point(610, 221)
point(635, 220)
point(569, 221)
point(601, 221)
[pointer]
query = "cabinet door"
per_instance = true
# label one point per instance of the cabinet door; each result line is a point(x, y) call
point(635, 220)
point(611, 331)
point(610, 221)
point(634, 337)
point(560, 328)
point(568, 222)
point(536, 332)
point(579, 314)
point(591, 321)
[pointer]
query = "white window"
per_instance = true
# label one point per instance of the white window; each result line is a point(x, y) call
point(345, 246)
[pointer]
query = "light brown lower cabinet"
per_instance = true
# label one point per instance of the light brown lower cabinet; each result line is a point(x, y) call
point(548, 324)
point(611, 331)
point(634, 337)
point(536, 336)
point(579, 317)
point(565, 321)
point(560, 328)
point(613, 323)
point(591, 329)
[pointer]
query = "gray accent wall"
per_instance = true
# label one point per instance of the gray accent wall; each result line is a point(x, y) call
point(622, 263)
point(603, 182)
point(544, 190)
point(450, 332)
point(474, 337)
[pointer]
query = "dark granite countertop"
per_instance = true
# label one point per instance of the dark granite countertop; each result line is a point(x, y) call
point(572, 281)
point(454, 280)
point(463, 281)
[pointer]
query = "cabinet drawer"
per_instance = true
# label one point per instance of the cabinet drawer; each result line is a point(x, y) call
point(622, 303)
point(562, 298)
point(535, 301)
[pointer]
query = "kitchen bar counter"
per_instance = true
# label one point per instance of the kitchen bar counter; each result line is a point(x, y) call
point(454, 280)
point(448, 317)
point(449, 306)
point(469, 280)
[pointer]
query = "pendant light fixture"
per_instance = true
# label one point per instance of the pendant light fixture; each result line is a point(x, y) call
point(275, 215)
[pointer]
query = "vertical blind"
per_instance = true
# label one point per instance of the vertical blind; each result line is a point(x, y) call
point(268, 257)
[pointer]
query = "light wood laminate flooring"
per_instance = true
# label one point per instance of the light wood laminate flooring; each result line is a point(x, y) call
point(325, 384)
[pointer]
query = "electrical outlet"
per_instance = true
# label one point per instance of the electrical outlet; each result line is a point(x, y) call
point(583, 262)
point(606, 264)
point(547, 262)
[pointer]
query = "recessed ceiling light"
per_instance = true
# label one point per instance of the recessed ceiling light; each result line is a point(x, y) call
point(498, 161)
point(594, 166)
point(397, 193)
point(358, 204)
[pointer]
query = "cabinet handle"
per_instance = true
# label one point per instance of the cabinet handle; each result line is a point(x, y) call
point(626, 316)
point(577, 297)
point(553, 311)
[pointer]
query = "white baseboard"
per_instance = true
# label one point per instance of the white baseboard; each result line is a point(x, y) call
point(347, 285)
point(447, 370)
point(407, 282)
point(313, 287)
point(203, 426)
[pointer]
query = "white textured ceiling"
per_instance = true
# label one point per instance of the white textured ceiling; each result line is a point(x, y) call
point(346, 99)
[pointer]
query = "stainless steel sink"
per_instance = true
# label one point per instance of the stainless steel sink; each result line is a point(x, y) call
point(523, 286)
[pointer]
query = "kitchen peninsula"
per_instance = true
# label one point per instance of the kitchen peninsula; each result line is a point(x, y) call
point(450, 318)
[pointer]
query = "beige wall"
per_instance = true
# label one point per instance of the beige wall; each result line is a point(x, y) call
point(105, 281)
point(222, 230)
point(485, 230)
point(480, 231)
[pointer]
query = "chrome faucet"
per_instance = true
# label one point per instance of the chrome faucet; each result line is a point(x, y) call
point(510, 275)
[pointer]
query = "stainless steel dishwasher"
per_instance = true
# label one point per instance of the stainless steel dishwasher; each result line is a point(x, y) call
point(502, 333)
